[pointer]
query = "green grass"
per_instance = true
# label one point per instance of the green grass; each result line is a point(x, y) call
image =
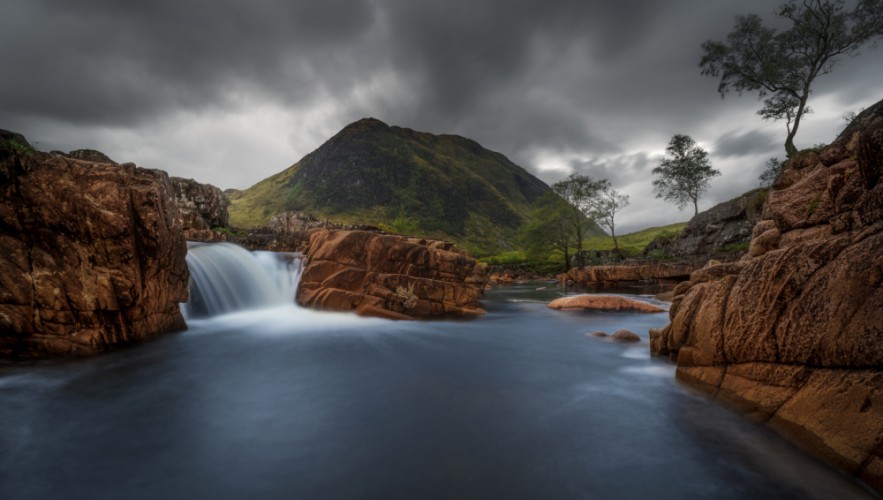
point(632, 244)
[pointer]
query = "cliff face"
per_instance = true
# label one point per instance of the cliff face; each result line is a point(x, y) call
point(389, 276)
point(91, 255)
point(200, 206)
point(716, 230)
point(793, 333)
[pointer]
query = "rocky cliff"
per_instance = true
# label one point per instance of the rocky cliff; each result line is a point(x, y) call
point(200, 206)
point(793, 333)
point(723, 228)
point(91, 254)
point(389, 276)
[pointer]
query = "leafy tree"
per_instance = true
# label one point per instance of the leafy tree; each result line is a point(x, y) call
point(579, 191)
point(781, 66)
point(604, 206)
point(552, 230)
point(773, 170)
point(685, 175)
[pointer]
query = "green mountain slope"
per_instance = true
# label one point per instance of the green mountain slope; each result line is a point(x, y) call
point(442, 186)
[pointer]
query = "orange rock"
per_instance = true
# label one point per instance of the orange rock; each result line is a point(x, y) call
point(603, 303)
point(91, 256)
point(793, 333)
point(389, 276)
point(625, 336)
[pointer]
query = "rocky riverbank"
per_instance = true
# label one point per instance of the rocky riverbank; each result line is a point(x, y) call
point(91, 253)
point(793, 333)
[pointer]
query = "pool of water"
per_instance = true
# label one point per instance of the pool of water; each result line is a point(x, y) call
point(288, 403)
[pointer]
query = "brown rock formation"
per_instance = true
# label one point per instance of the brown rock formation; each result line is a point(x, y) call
point(200, 206)
point(664, 274)
point(793, 333)
point(91, 255)
point(603, 303)
point(389, 276)
point(289, 232)
point(722, 229)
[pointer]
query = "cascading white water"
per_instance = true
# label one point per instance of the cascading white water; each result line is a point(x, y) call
point(226, 278)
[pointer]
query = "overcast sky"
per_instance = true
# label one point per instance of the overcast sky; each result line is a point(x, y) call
point(230, 92)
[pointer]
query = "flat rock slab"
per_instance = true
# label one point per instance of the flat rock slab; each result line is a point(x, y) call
point(603, 303)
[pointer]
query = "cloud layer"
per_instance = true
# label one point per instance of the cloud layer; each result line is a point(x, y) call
point(230, 92)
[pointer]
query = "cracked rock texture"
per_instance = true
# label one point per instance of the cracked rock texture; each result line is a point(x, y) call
point(389, 276)
point(793, 333)
point(91, 255)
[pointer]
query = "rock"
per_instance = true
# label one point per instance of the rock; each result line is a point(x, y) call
point(792, 333)
point(665, 296)
point(724, 228)
point(90, 155)
point(200, 206)
point(288, 232)
point(91, 256)
point(12, 143)
point(666, 274)
point(389, 276)
point(597, 334)
point(625, 336)
point(603, 303)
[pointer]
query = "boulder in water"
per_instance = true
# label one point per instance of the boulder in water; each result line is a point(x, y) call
point(379, 274)
point(625, 336)
point(603, 303)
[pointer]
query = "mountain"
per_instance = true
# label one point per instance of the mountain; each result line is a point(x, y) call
point(442, 186)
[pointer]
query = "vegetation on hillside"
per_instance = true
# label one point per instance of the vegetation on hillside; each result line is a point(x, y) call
point(440, 186)
point(552, 259)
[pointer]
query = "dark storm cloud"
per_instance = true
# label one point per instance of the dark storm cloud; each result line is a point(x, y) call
point(602, 85)
point(116, 62)
point(107, 62)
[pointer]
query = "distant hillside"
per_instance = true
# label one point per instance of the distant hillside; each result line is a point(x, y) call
point(412, 182)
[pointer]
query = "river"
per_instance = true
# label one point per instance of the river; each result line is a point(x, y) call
point(290, 403)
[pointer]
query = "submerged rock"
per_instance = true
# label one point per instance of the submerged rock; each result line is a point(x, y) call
point(625, 336)
point(603, 303)
point(389, 276)
point(793, 333)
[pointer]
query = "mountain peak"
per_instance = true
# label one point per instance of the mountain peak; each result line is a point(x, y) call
point(366, 123)
point(416, 183)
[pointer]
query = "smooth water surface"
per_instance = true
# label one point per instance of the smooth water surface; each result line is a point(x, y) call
point(288, 403)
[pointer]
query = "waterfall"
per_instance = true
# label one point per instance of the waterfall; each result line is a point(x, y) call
point(226, 278)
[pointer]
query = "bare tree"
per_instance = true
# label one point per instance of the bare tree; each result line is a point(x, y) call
point(604, 206)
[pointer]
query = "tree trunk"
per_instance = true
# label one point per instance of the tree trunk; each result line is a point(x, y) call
point(613, 235)
point(790, 148)
point(695, 207)
point(566, 260)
